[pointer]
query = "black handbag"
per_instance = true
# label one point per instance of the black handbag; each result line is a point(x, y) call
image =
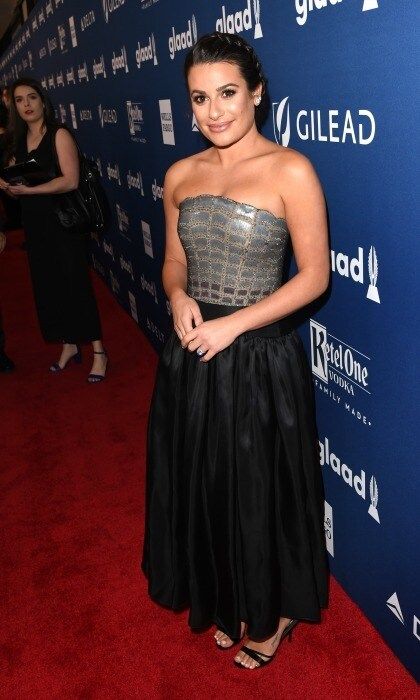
point(86, 209)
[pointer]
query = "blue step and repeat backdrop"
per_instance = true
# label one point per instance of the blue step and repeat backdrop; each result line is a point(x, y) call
point(341, 82)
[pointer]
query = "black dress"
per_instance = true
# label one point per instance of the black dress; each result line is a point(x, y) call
point(64, 298)
point(235, 501)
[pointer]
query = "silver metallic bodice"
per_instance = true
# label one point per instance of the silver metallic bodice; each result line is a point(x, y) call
point(234, 251)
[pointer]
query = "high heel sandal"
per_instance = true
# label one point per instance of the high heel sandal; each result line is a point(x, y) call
point(96, 378)
point(264, 659)
point(76, 358)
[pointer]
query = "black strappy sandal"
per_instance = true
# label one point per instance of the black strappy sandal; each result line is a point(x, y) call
point(264, 659)
point(96, 378)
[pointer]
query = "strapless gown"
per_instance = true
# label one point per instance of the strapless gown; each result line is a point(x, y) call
point(235, 500)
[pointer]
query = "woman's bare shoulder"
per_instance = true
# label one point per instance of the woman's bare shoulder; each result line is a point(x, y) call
point(183, 170)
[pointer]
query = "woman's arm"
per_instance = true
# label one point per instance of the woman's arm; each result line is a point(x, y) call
point(185, 310)
point(69, 165)
point(307, 222)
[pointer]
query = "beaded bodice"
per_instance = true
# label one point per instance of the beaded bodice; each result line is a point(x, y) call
point(234, 251)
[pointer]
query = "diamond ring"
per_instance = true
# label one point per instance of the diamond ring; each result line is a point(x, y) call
point(200, 352)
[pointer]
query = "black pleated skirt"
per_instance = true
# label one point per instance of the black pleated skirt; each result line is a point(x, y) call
point(235, 501)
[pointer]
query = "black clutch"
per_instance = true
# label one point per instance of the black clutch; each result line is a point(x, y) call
point(27, 173)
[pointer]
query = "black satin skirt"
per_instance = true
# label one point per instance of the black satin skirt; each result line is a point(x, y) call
point(235, 501)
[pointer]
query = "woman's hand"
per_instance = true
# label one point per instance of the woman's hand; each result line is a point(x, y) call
point(186, 313)
point(18, 190)
point(211, 337)
point(4, 185)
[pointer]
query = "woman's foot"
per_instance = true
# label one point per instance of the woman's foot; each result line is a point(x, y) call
point(100, 361)
point(69, 351)
point(222, 639)
point(267, 648)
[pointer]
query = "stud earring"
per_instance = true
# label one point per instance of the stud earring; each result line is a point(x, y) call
point(257, 100)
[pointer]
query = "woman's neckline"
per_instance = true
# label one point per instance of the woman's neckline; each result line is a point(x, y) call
point(36, 147)
point(235, 201)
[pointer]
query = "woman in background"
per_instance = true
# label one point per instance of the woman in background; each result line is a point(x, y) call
point(64, 298)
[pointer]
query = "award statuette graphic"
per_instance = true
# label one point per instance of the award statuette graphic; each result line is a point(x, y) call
point(373, 293)
point(155, 61)
point(373, 509)
point(369, 5)
point(257, 31)
point(194, 29)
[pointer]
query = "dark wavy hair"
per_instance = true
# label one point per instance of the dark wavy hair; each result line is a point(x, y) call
point(231, 48)
point(17, 127)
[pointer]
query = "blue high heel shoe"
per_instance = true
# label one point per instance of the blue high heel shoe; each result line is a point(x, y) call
point(96, 378)
point(76, 358)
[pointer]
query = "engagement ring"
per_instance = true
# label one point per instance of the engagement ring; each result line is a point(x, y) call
point(200, 352)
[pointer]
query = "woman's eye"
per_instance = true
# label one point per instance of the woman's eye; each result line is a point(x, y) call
point(229, 92)
point(198, 99)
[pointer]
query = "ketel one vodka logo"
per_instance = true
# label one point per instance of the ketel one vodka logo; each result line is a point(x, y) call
point(354, 268)
point(350, 477)
point(183, 40)
point(334, 360)
point(241, 21)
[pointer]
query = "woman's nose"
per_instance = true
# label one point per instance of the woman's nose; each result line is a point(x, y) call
point(215, 110)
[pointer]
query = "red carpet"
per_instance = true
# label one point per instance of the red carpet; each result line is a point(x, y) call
point(76, 620)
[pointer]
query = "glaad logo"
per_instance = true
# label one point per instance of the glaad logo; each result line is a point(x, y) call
point(107, 115)
point(303, 7)
point(42, 51)
point(63, 114)
point(87, 20)
point(110, 6)
point(113, 173)
point(241, 21)
point(82, 72)
point(358, 483)
point(41, 17)
point(60, 79)
point(34, 24)
point(146, 53)
point(157, 191)
point(178, 42)
point(150, 287)
point(49, 8)
point(119, 62)
point(122, 218)
point(133, 306)
point(167, 122)
point(194, 125)
point(70, 77)
point(354, 268)
point(135, 181)
point(108, 249)
point(135, 119)
point(127, 266)
point(147, 238)
point(115, 285)
point(99, 67)
point(331, 126)
point(51, 81)
point(73, 34)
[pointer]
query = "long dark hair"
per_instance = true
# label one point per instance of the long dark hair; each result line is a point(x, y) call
point(17, 127)
point(231, 48)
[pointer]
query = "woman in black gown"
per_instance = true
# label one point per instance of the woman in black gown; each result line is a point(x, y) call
point(234, 508)
point(65, 303)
